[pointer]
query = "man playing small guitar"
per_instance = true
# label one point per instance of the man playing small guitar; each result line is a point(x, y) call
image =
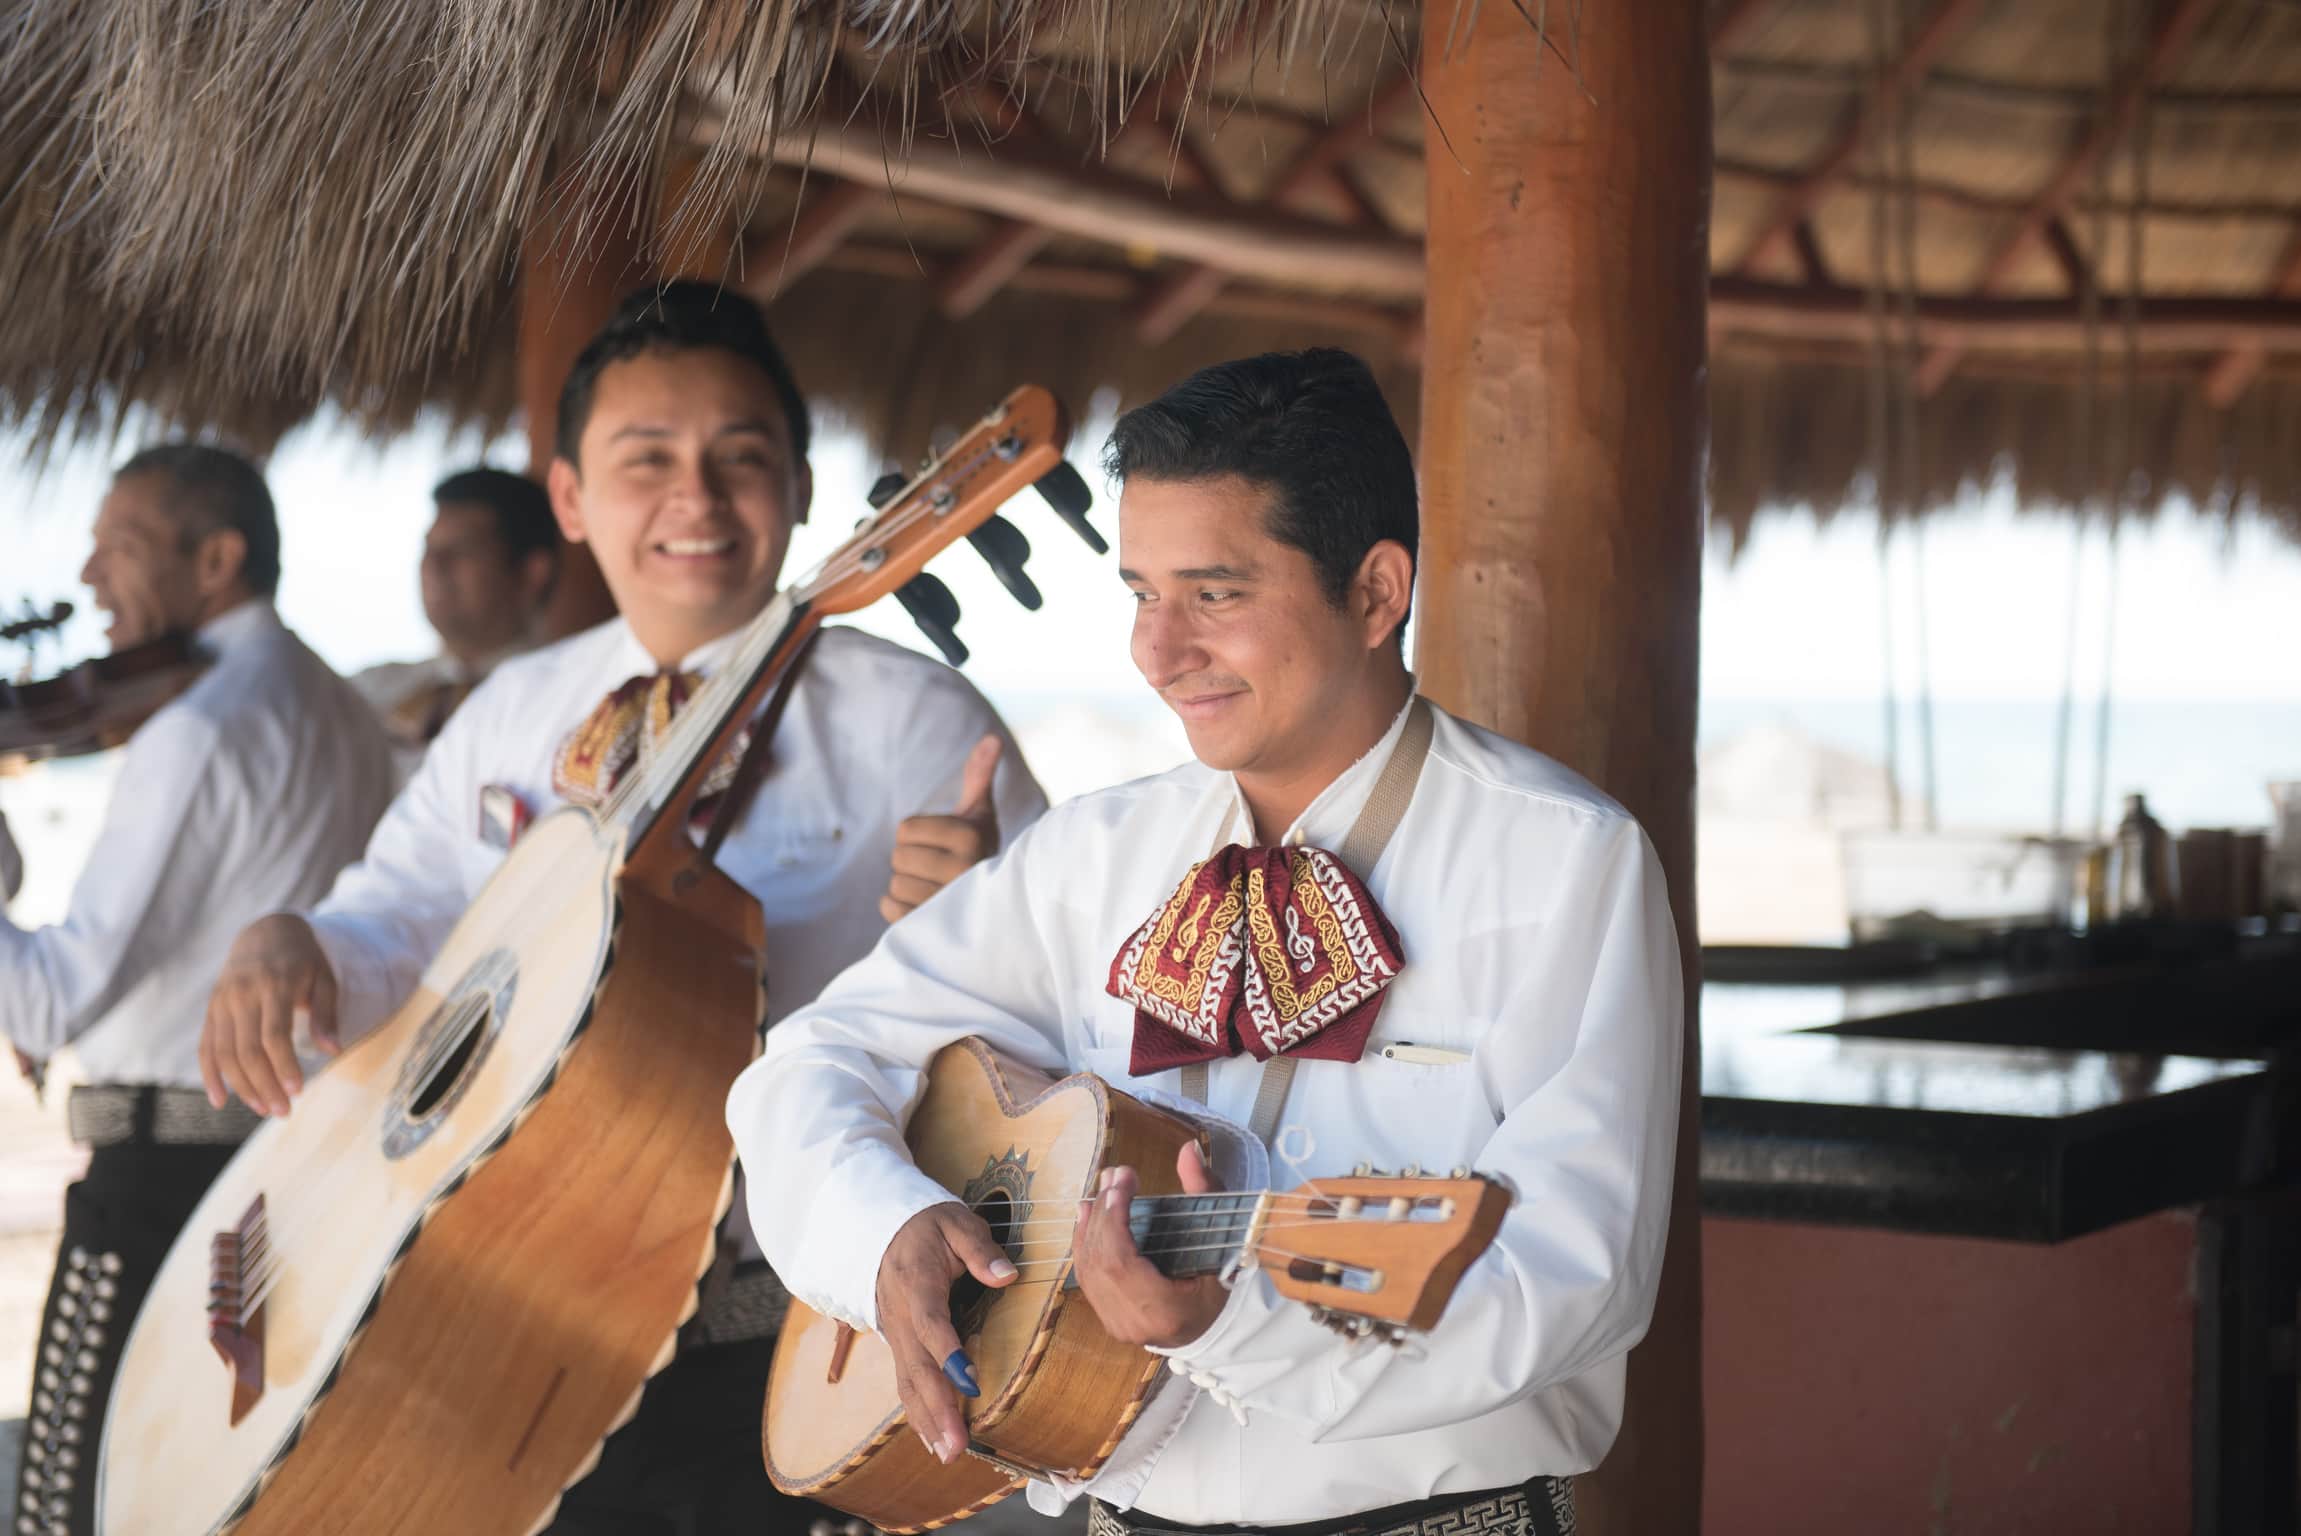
point(682, 463)
point(1386, 935)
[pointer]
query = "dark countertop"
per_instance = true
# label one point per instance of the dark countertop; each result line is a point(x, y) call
point(1968, 1100)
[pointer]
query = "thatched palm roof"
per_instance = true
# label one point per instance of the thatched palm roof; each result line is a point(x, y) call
point(229, 214)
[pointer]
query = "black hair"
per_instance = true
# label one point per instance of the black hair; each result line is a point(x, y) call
point(212, 490)
point(1310, 427)
point(522, 509)
point(678, 317)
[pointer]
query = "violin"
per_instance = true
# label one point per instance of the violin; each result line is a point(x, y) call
point(95, 705)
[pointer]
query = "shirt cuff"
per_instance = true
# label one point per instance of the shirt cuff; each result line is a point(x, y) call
point(866, 1208)
point(364, 992)
point(1252, 1297)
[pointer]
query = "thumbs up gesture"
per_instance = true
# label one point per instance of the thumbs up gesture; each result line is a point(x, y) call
point(932, 851)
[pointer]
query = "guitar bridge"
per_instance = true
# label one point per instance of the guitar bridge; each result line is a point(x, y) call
point(240, 1271)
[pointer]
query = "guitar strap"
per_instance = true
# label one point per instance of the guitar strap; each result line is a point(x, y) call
point(1361, 850)
point(748, 771)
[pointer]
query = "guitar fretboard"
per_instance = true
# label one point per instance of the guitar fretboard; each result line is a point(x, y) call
point(1187, 1235)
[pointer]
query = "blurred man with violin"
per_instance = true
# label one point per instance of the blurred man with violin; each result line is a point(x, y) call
point(682, 462)
point(489, 561)
point(245, 793)
point(1375, 931)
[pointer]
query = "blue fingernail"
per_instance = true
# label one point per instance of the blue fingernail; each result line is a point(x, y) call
point(961, 1370)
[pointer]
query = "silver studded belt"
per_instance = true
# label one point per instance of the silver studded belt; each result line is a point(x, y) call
point(109, 1114)
point(1540, 1508)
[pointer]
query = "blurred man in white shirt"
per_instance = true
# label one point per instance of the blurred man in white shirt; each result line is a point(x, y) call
point(246, 793)
point(489, 561)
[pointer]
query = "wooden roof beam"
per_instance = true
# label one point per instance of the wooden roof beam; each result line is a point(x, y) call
point(2235, 370)
point(1907, 73)
point(990, 266)
point(823, 224)
point(1171, 303)
point(1736, 20)
point(2164, 325)
point(1112, 208)
point(2076, 271)
point(2166, 47)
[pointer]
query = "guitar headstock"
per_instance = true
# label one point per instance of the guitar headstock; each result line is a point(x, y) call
point(1019, 444)
point(1378, 1253)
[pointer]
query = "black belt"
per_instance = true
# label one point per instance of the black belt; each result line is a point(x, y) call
point(1542, 1507)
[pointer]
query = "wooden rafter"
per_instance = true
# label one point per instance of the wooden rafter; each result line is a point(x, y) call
point(2076, 271)
point(1803, 196)
point(2164, 53)
point(2234, 371)
point(1735, 21)
point(990, 266)
point(1171, 303)
point(830, 215)
point(1840, 315)
point(1812, 265)
point(1099, 204)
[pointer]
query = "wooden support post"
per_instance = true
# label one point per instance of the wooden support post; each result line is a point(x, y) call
point(573, 271)
point(1563, 427)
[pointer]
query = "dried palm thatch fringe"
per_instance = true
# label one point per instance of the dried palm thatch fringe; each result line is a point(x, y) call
point(1791, 433)
point(227, 215)
point(229, 212)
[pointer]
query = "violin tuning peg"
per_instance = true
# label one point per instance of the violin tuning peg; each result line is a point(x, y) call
point(1362, 1170)
point(1004, 549)
point(1411, 1171)
point(936, 612)
point(1459, 1171)
point(884, 488)
point(1066, 491)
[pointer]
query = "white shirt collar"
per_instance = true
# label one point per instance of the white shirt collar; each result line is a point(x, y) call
point(237, 623)
point(1326, 821)
point(634, 660)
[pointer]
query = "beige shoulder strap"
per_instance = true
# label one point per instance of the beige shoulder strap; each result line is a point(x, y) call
point(1361, 850)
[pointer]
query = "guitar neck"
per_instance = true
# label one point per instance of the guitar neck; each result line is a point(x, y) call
point(1186, 1235)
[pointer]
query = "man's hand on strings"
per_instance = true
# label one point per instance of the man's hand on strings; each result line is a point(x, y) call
point(276, 970)
point(932, 851)
point(1137, 1304)
point(930, 1252)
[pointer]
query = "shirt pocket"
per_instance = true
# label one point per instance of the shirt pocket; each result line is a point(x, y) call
point(1429, 1114)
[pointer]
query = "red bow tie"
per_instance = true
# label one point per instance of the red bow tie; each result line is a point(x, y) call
point(1268, 950)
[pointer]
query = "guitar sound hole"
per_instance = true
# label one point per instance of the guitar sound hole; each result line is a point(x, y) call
point(970, 1298)
point(464, 1035)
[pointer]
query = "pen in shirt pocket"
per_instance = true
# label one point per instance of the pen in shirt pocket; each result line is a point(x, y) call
point(1423, 1055)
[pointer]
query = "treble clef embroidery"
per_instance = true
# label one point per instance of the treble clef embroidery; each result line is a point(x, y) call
point(1299, 944)
point(1187, 938)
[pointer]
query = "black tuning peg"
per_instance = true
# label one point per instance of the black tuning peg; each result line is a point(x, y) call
point(884, 488)
point(1004, 549)
point(936, 612)
point(1066, 491)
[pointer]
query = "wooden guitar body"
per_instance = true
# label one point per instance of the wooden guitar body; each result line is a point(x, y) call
point(1057, 1391)
point(427, 1365)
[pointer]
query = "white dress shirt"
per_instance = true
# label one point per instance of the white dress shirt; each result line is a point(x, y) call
point(245, 794)
point(390, 686)
point(1542, 974)
point(872, 734)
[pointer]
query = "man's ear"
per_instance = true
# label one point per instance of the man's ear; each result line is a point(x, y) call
point(803, 496)
point(219, 560)
point(1383, 591)
point(565, 483)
